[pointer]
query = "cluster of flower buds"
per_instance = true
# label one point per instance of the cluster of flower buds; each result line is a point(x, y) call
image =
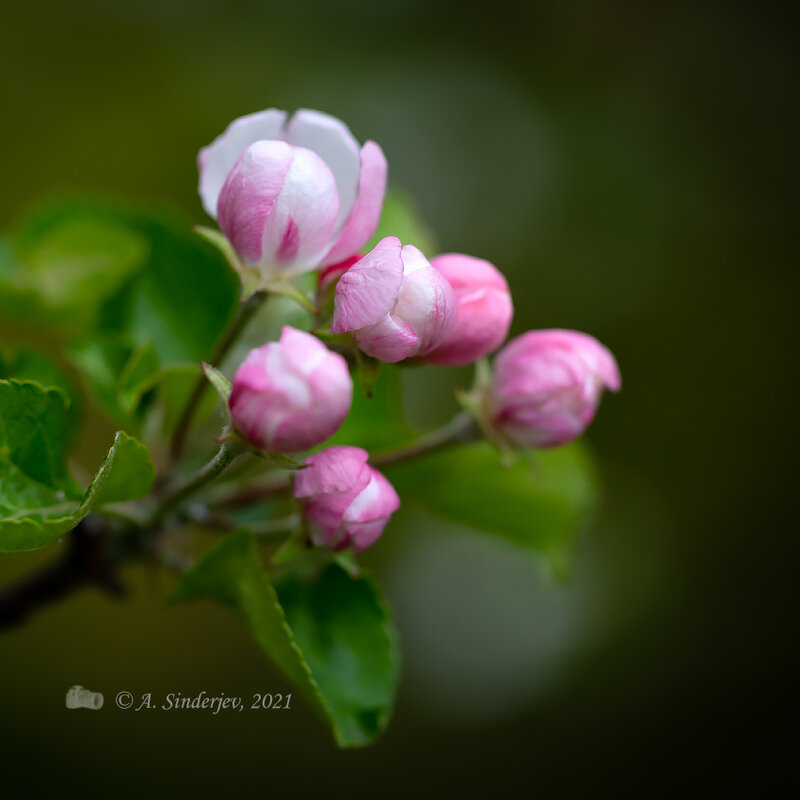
point(295, 195)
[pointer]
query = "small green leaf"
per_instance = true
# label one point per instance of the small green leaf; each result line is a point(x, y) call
point(400, 218)
point(542, 502)
point(328, 633)
point(34, 431)
point(220, 383)
point(31, 365)
point(37, 496)
point(220, 241)
point(121, 378)
point(342, 627)
point(346, 559)
point(136, 376)
point(38, 500)
point(127, 473)
point(116, 372)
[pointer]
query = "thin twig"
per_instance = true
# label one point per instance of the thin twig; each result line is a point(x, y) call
point(89, 558)
point(254, 492)
point(85, 561)
point(172, 499)
point(462, 428)
point(246, 312)
point(268, 530)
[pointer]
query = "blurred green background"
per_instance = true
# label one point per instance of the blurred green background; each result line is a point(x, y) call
point(629, 167)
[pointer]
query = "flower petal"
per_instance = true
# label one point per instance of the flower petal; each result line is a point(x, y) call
point(377, 500)
point(217, 159)
point(302, 350)
point(335, 469)
point(366, 214)
point(366, 517)
point(332, 140)
point(426, 302)
point(266, 393)
point(464, 272)
point(391, 340)
point(367, 291)
point(482, 323)
point(300, 223)
point(249, 194)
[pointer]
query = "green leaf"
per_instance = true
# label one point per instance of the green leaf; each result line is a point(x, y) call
point(34, 431)
point(31, 365)
point(184, 298)
point(328, 633)
point(135, 272)
point(36, 493)
point(122, 377)
point(116, 372)
point(542, 502)
point(342, 627)
point(221, 242)
point(67, 265)
point(221, 384)
point(127, 473)
point(38, 500)
point(400, 218)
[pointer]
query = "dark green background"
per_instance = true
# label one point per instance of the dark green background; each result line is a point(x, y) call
point(629, 167)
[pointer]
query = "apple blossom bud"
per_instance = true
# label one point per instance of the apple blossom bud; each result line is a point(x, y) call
point(290, 395)
point(547, 384)
point(292, 195)
point(347, 502)
point(395, 303)
point(484, 310)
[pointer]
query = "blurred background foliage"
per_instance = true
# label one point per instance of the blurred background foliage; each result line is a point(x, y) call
point(629, 166)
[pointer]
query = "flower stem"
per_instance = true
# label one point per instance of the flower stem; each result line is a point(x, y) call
point(254, 492)
point(226, 453)
point(462, 428)
point(246, 312)
point(268, 531)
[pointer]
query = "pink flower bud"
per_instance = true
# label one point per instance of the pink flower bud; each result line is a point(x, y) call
point(547, 385)
point(347, 502)
point(395, 303)
point(292, 195)
point(484, 310)
point(292, 394)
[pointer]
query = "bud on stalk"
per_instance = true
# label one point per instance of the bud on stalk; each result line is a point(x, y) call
point(290, 395)
point(347, 502)
point(546, 386)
